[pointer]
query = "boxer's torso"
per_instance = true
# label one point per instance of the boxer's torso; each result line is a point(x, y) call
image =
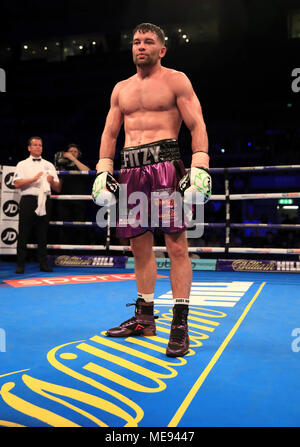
point(149, 108)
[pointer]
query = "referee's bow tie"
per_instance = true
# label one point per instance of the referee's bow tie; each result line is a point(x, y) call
point(36, 159)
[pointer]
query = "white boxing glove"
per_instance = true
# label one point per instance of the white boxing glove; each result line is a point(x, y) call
point(196, 186)
point(105, 190)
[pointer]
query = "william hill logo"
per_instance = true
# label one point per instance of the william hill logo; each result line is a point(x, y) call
point(258, 266)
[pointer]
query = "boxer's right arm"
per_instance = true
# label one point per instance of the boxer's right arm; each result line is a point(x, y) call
point(113, 123)
point(105, 188)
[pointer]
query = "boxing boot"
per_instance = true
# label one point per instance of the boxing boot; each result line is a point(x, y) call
point(178, 344)
point(143, 323)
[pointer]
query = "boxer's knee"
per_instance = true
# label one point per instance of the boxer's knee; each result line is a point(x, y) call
point(142, 245)
point(177, 246)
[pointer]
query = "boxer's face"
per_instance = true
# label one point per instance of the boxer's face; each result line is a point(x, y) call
point(147, 49)
point(35, 148)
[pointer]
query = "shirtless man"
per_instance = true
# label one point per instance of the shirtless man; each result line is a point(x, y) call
point(151, 105)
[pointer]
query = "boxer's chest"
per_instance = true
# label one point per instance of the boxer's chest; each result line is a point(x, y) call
point(149, 95)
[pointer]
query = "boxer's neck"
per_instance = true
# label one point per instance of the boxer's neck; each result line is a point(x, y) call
point(147, 71)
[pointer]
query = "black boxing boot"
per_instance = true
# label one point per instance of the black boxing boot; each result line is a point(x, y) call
point(143, 323)
point(178, 344)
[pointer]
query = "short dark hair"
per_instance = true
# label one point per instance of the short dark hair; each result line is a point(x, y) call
point(145, 27)
point(73, 145)
point(34, 138)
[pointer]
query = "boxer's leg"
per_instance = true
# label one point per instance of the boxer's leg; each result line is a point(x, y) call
point(144, 263)
point(143, 323)
point(181, 279)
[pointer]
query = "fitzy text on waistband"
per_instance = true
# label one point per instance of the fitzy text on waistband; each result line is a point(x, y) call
point(166, 150)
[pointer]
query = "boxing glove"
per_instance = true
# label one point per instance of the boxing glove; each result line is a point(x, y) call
point(105, 190)
point(195, 186)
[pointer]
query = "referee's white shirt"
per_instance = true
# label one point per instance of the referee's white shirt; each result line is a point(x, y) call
point(28, 168)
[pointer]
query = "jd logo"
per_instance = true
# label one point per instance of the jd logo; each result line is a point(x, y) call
point(9, 236)
point(8, 180)
point(10, 208)
point(2, 80)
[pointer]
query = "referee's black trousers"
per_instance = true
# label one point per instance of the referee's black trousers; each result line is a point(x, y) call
point(29, 220)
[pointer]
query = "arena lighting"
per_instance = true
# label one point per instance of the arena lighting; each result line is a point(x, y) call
point(94, 43)
point(45, 48)
point(285, 201)
point(25, 47)
point(288, 207)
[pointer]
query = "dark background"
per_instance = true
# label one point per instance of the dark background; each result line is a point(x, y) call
point(240, 55)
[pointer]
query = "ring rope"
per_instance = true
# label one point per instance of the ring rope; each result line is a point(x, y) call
point(211, 170)
point(124, 248)
point(206, 224)
point(279, 195)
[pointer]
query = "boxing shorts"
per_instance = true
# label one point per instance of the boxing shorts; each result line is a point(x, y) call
point(149, 176)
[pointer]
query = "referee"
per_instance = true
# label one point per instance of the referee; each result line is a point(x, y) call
point(34, 177)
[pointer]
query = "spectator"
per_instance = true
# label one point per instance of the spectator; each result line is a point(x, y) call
point(71, 210)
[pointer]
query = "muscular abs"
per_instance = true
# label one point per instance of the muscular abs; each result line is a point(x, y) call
point(149, 109)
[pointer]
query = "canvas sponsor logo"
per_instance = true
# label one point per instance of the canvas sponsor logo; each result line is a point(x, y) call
point(59, 280)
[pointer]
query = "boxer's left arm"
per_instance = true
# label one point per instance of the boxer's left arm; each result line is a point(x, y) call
point(191, 111)
point(198, 180)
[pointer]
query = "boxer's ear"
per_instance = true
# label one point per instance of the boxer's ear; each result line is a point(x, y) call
point(162, 51)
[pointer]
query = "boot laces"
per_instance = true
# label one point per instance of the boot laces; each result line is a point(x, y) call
point(178, 331)
point(136, 303)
